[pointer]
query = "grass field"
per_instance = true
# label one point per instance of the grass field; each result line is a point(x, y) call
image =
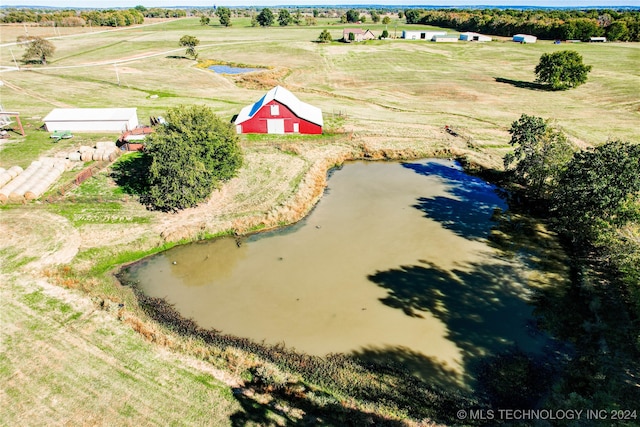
point(67, 357)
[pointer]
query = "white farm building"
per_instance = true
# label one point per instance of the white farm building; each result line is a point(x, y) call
point(92, 119)
point(474, 37)
point(524, 38)
point(422, 35)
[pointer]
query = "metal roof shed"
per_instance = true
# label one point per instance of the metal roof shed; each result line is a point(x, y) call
point(92, 119)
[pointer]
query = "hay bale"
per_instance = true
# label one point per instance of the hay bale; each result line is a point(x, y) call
point(2, 170)
point(75, 157)
point(105, 145)
point(4, 178)
point(87, 156)
point(97, 155)
point(84, 148)
point(15, 171)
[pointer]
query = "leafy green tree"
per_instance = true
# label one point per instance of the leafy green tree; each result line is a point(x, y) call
point(224, 15)
point(190, 43)
point(191, 155)
point(618, 31)
point(352, 37)
point(386, 20)
point(562, 70)
point(599, 189)
point(37, 48)
point(297, 18)
point(284, 18)
point(352, 15)
point(540, 153)
point(375, 16)
point(265, 18)
point(412, 16)
point(205, 20)
point(385, 34)
point(325, 37)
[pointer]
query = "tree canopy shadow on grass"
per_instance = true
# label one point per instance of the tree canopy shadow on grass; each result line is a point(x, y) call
point(468, 207)
point(523, 85)
point(289, 409)
point(131, 174)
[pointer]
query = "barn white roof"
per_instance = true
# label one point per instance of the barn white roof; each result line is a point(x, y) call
point(301, 109)
point(90, 114)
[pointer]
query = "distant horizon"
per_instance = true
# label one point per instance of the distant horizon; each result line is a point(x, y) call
point(105, 4)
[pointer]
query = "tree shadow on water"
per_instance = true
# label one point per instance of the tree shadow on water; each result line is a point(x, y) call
point(484, 308)
point(468, 206)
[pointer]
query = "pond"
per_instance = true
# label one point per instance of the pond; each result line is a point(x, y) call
point(227, 69)
point(393, 264)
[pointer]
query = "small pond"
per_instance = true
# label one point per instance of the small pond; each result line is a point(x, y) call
point(393, 264)
point(227, 69)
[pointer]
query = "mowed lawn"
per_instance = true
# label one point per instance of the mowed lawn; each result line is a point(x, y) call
point(61, 361)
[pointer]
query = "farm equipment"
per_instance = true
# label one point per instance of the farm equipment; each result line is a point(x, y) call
point(57, 135)
point(450, 130)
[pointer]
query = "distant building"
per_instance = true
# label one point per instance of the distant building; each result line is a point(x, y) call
point(597, 39)
point(92, 119)
point(422, 35)
point(474, 37)
point(445, 39)
point(279, 112)
point(358, 34)
point(524, 38)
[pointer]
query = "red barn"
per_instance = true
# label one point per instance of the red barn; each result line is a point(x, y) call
point(279, 112)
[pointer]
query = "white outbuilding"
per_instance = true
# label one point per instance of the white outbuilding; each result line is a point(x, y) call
point(474, 37)
point(92, 119)
point(524, 38)
point(422, 35)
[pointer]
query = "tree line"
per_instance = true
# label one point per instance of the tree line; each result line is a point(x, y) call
point(545, 24)
point(592, 196)
point(99, 18)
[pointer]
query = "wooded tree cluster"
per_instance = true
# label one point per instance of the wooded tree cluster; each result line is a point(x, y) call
point(72, 18)
point(592, 195)
point(546, 24)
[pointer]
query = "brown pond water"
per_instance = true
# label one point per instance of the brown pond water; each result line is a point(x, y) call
point(393, 264)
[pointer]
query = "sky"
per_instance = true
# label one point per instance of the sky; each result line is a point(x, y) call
point(210, 3)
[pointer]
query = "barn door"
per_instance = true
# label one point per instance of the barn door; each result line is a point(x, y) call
point(275, 126)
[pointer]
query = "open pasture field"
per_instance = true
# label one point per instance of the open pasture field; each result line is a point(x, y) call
point(56, 344)
point(388, 89)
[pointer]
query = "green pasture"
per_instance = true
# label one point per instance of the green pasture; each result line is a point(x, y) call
point(379, 85)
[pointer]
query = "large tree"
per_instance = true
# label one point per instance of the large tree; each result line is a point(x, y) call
point(284, 18)
point(224, 15)
point(190, 42)
point(562, 70)
point(190, 156)
point(540, 153)
point(265, 18)
point(412, 16)
point(352, 15)
point(325, 37)
point(599, 189)
point(37, 48)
